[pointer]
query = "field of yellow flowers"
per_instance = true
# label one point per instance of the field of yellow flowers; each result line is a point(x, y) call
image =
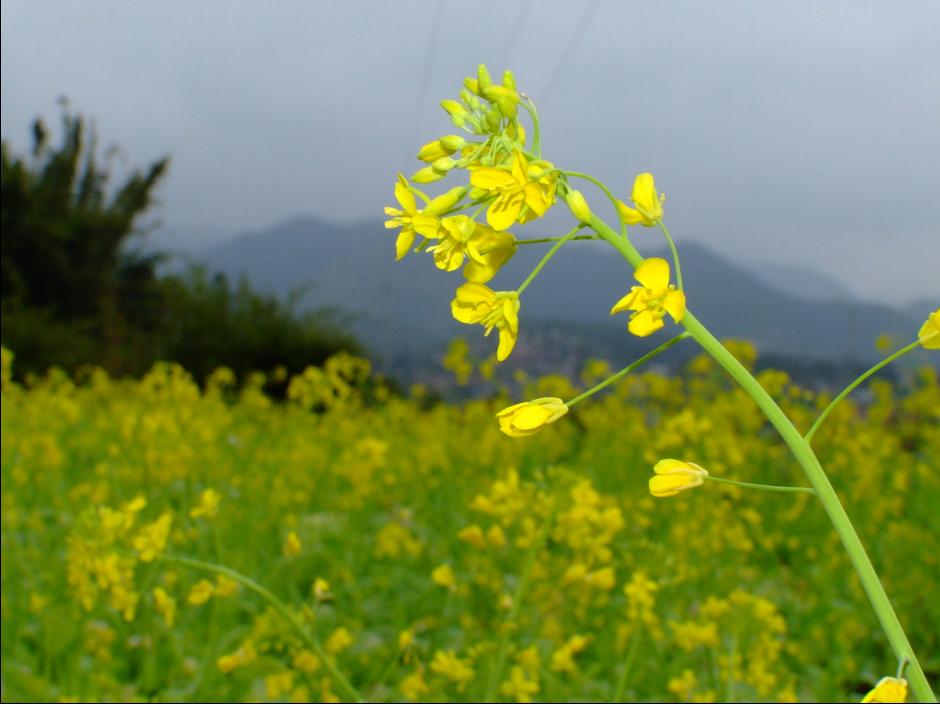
point(394, 548)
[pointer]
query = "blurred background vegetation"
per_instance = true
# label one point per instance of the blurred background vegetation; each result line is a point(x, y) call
point(79, 288)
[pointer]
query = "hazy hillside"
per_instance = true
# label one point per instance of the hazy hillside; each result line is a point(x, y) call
point(403, 307)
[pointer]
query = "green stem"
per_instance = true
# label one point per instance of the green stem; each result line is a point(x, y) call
point(536, 128)
point(600, 184)
point(541, 240)
point(765, 487)
point(311, 642)
point(627, 369)
point(548, 255)
point(627, 665)
point(811, 467)
point(502, 650)
point(675, 253)
point(851, 387)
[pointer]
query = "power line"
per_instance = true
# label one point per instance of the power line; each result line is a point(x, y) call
point(424, 82)
point(517, 26)
point(568, 53)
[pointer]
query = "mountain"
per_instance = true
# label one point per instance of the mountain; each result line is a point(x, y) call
point(402, 309)
point(802, 282)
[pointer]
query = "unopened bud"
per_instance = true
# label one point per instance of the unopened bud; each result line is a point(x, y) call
point(448, 200)
point(472, 84)
point(443, 165)
point(427, 175)
point(483, 77)
point(432, 151)
point(454, 108)
point(509, 80)
point(452, 142)
point(579, 206)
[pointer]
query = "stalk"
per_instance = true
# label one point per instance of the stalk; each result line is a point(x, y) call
point(814, 473)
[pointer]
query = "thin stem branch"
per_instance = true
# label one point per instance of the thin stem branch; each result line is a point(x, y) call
point(765, 487)
point(627, 369)
point(627, 665)
point(675, 254)
point(536, 127)
point(548, 255)
point(851, 387)
point(309, 640)
point(541, 240)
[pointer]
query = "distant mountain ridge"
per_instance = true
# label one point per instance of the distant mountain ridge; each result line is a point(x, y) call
point(403, 308)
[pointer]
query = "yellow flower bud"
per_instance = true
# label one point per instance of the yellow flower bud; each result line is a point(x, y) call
point(888, 689)
point(579, 206)
point(527, 418)
point(452, 143)
point(426, 175)
point(673, 476)
point(483, 77)
point(929, 334)
point(432, 151)
point(443, 165)
point(472, 84)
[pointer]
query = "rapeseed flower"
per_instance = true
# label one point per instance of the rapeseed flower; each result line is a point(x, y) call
point(649, 204)
point(888, 689)
point(527, 418)
point(447, 664)
point(652, 299)
point(414, 221)
point(929, 334)
point(673, 476)
point(201, 592)
point(485, 249)
point(477, 303)
point(208, 506)
point(517, 196)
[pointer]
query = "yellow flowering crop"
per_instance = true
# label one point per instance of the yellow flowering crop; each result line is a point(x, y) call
point(652, 299)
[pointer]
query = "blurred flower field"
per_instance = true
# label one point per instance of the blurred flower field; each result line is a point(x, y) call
point(412, 551)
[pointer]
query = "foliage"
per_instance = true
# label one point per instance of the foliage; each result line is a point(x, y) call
point(433, 558)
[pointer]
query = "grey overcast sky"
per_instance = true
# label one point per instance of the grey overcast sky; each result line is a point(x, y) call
point(798, 132)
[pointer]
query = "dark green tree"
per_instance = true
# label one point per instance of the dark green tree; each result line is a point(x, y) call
point(72, 289)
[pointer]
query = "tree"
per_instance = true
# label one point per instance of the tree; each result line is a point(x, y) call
point(65, 262)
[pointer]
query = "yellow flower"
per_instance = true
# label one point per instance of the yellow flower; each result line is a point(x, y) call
point(486, 249)
point(519, 686)
point(443, 576)
point(527, 418)
point(201, 592)
point(152, 538)
point(208, 506)
point(413, 221)
point(292, 545)
point(477, 303)
point(414, 686)
point(652, 300)
point(339, 640)
point(673, 476)
point(447, 664)
point(930, 331)
point(517, 197)
point(321, 590)
point(563, 658)
point(888, 689)
point(649, 205)
point(165, 605)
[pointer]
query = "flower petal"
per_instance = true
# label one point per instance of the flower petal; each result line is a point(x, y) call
point(635, 300)
point(653, 273)
point(629, 215)
point(405, 197)
point(503, 211)
point(644, 323)
point(674, 303)
point(490, 179)
point(406, 239)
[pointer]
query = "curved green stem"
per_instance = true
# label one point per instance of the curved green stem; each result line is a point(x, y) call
point(675, 254)
point(600, 184)
point(765, 487)
point(548, 255)
point(627, 369)
point(536, 128)
point(310, 641)
point(811, 467)
point(851, 387)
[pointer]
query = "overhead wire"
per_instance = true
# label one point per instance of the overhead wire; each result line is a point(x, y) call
point(568, 53)
point(430, 51)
